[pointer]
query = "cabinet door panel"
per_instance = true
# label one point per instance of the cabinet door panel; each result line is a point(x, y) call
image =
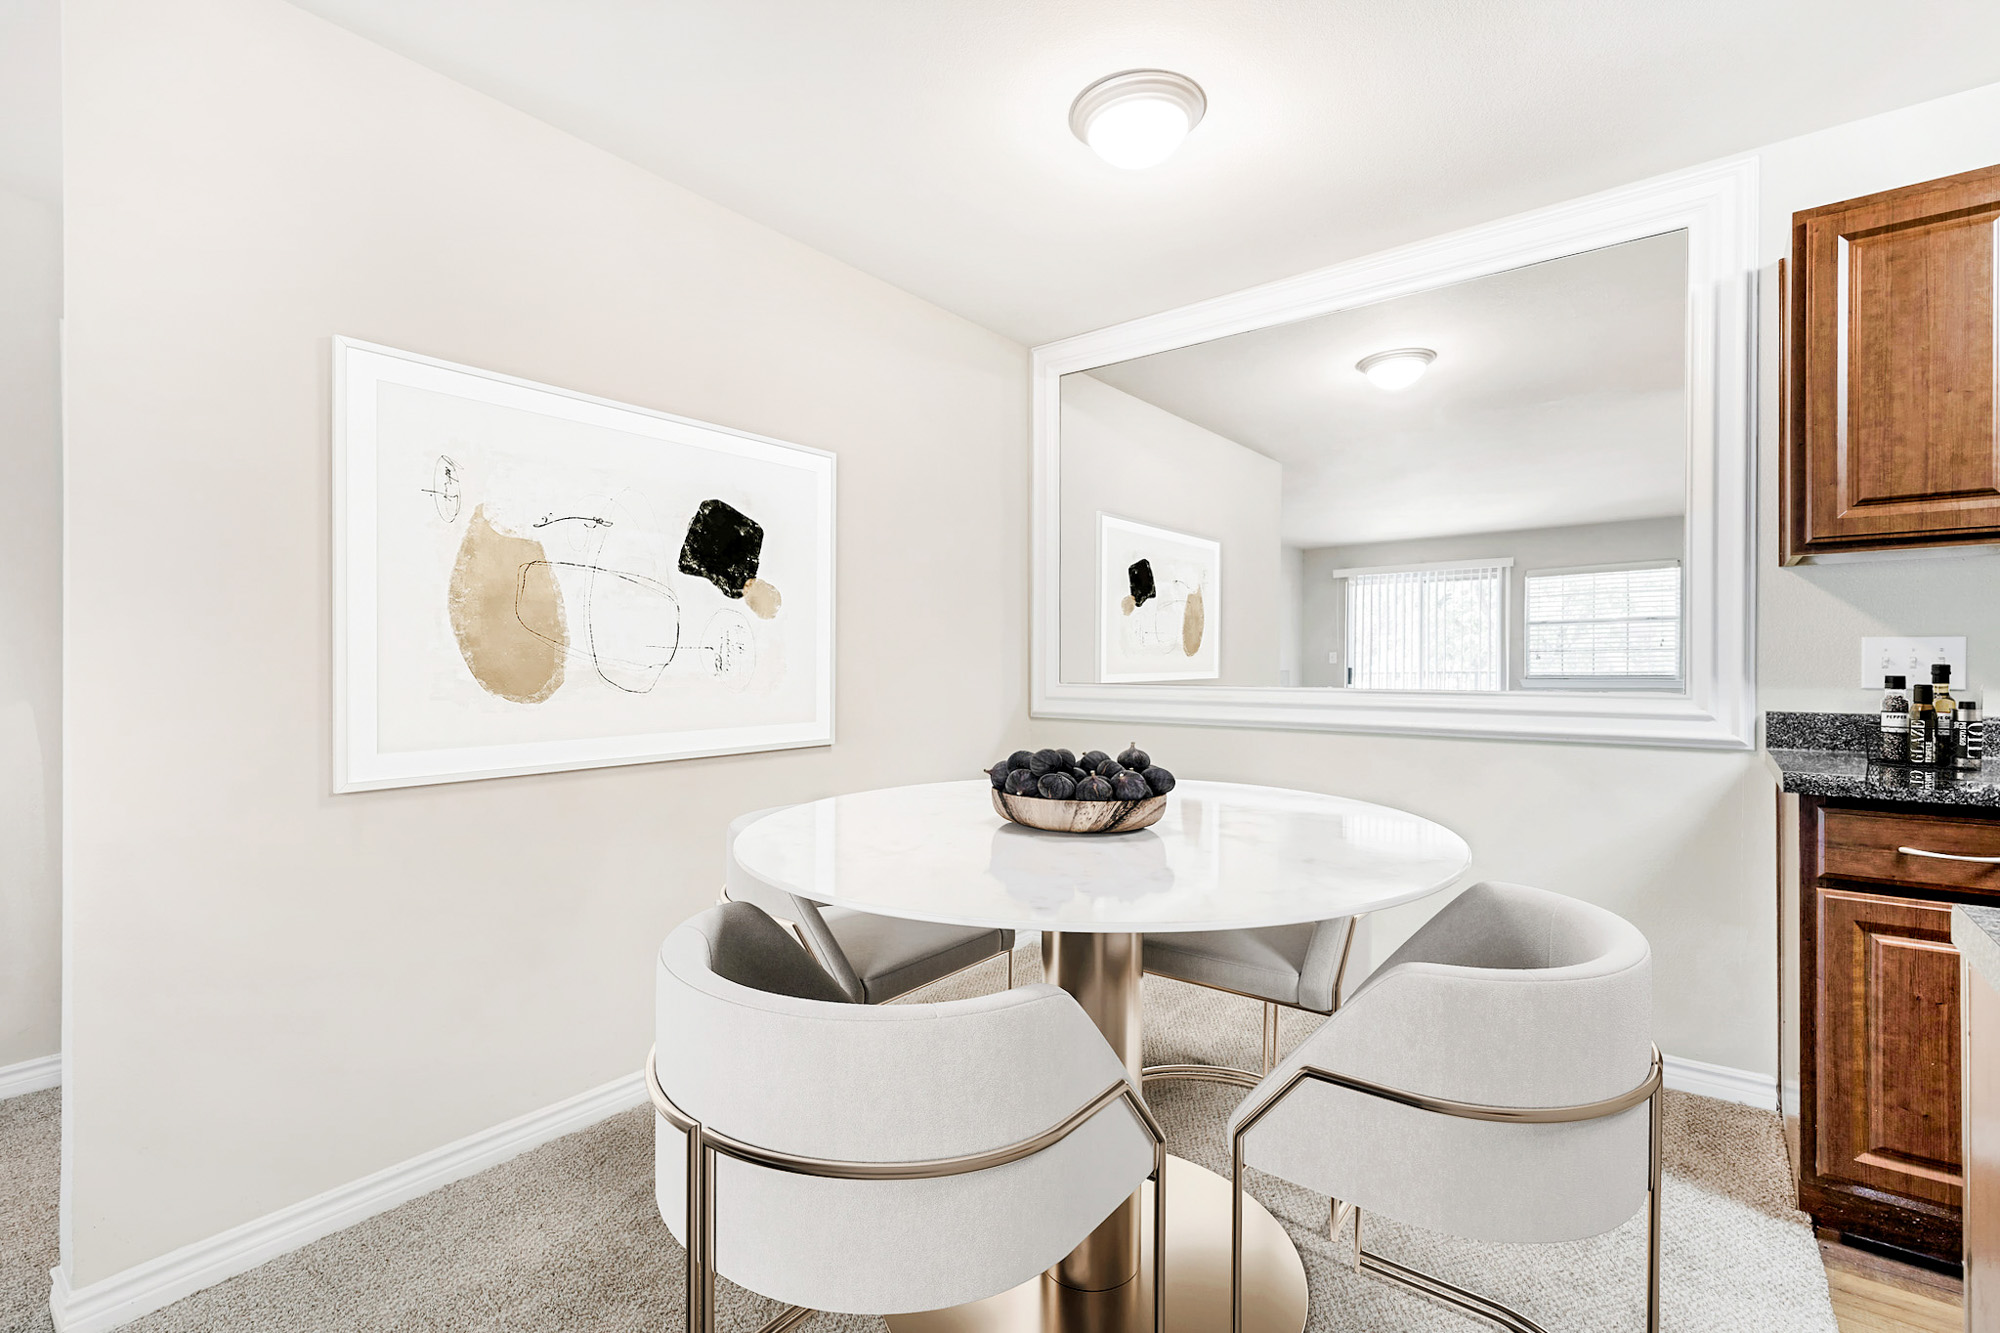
point(1894, 428)
point(1888, 1039)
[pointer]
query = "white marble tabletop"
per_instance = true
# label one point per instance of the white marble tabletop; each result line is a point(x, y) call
point(1224, 856)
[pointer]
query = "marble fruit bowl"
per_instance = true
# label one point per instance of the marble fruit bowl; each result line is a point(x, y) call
point(1080, 816)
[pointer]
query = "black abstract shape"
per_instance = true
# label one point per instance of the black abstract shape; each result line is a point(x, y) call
point(722, 546)
point(1141, 576)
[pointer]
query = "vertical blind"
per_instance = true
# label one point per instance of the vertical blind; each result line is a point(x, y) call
point(1605, 623)
point(1428, 629)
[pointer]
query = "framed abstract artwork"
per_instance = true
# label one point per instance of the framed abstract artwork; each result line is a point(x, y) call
point(1159, 603)
point(528, 580)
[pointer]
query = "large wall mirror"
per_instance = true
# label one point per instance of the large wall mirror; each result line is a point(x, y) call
point(1497, 484)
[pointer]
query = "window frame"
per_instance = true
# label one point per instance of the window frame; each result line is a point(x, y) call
point(1503, 563)
point(1655, 683)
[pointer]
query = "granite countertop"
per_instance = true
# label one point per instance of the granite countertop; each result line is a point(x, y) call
point(1976, 933)
point(1826, 754)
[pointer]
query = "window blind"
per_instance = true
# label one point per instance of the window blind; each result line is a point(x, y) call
point(1605, 623)
point(1427, 629)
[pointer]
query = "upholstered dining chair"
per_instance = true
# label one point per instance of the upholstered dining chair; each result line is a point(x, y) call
point(1495, 1079)
point(873, 959)
point(878, 1159)
point(1293, 967)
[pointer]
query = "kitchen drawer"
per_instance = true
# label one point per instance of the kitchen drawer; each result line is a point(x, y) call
point(1867, 845)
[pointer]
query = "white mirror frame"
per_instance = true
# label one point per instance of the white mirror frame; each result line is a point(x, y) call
point(1717, 207)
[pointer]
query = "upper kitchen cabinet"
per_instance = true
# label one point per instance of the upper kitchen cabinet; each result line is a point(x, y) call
point(1892, 441)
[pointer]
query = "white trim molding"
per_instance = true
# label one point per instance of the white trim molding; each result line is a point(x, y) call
point(1716, 206)
point(44, 1071)
point(147, 1287)
point(1720, 1082)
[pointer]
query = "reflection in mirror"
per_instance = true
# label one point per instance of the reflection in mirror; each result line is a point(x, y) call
point(1500, 507)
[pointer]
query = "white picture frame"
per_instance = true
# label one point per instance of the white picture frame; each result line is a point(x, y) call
point(648, 652)
point(1716, 206)
point(1145, 637)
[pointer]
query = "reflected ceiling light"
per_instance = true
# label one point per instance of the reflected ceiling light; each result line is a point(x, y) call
point(1137, 118)
point(1397, 369)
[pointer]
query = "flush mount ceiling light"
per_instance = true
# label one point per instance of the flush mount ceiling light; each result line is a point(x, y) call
point(1137, 118)
point(1396, 369)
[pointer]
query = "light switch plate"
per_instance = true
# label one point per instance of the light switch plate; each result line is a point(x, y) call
point(1910, 658)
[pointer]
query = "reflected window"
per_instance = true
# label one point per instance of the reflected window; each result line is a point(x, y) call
point(1432, 627)
point(1604, 628)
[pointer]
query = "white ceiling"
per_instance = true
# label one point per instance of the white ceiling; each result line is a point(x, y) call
point(925, 141)
point(1556, 398)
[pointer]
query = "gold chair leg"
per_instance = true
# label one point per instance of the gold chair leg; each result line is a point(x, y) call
point(1658, 1117)
point(1160, 1237)
point(1010, 969)
point(791, 1316)
point(1270, 1036)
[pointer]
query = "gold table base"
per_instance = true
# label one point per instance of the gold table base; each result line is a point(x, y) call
point(1274, 1278)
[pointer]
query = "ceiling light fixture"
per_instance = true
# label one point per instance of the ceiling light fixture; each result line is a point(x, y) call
point(1137, 118)
point(1397, 369)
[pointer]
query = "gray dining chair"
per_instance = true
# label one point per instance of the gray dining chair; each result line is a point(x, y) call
point(1494, 1079)
point(873, 959)
point(878, 1159)
point(1292, 967)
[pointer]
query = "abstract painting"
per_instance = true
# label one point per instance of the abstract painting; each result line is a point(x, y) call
point(1159, 603)
point(529, 579)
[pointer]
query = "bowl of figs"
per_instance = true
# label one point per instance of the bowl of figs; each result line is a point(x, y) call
point(1092, 792)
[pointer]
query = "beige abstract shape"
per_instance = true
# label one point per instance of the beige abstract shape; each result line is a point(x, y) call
point(1128, 606)
point(762, 598)
point(507, 613)
point(1192, 617)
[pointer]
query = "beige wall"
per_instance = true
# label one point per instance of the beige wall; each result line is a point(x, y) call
point(1683, 843)
point(277, 990)
point(30, 631)
point(1324, 598)
point(1125, 457)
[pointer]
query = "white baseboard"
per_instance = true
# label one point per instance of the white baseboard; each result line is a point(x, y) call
point(142, 1289)
point(30, 1076)
point(1721, 1082)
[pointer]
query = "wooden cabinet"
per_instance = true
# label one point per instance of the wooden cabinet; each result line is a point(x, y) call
point(1878, 1149)
point(1891, 438)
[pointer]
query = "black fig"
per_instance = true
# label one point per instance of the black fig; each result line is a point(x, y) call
point(1129, 786)
point(999, 774)
point(1068, 759)
point(1079, 773)
point(1019, 759)
point(1110, 768)
point(1057, 786)
point(1134, 757)
point(1093, 788)
point(1092, 758)
point(1020, 782)
point(1159, 780)
point(1043, 761)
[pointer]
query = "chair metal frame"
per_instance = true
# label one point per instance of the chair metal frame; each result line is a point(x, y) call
point(705, 1145)
point(1435, 1287)
point(1244, 1078)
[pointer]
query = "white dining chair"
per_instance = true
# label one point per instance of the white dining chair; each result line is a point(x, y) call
point(873, 959)
point(878, 1159)
point(1292, 967)
point(1495, 1079)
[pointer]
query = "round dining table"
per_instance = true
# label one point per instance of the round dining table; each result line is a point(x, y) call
point(1223, 856)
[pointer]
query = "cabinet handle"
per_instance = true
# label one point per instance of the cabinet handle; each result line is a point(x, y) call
point(1949, 856)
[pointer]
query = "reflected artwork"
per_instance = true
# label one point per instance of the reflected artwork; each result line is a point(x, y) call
point(1159, 603)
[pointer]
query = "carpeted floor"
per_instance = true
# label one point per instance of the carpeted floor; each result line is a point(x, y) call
point(567, 1237)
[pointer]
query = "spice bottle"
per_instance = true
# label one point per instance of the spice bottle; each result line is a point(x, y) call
point(1971, 737)
point(1893, 746)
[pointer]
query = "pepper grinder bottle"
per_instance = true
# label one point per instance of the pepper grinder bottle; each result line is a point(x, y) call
point(1947, 715)
point(1971, 737)
point(1893, 746)
point(1923, 728)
